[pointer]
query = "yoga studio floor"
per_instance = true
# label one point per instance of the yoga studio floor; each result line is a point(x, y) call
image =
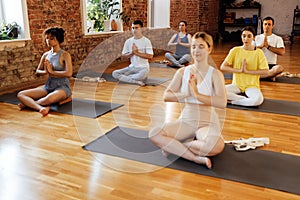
point(43, 158)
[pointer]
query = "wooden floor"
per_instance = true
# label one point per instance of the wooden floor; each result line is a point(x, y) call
point(42, 158)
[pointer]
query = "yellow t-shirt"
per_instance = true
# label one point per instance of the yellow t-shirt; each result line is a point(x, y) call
point(255, 60)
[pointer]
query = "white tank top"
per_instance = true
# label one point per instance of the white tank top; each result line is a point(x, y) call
point(205, 87)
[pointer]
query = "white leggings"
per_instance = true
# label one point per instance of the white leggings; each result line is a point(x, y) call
point(253, 97)
point(202, 134)
point(131, 74)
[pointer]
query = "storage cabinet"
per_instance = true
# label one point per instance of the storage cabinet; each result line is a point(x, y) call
point(296, 24)
point(234, 18)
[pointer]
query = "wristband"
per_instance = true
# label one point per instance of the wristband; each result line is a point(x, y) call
point(269, 47)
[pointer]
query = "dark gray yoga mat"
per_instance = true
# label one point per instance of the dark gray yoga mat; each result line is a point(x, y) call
point(281, 79)
point(284, 79)
point(159, 65)
point(78, 107)
point(162, 65)
point(152, 81)
point(86, 108)
point(257, 167)
point(273, 106)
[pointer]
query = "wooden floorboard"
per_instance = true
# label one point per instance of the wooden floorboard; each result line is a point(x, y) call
point(42, 158)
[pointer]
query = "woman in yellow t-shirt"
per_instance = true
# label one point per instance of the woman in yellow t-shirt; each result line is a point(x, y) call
point(247, 65)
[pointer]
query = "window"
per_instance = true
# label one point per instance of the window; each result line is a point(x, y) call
point(159, 13)
point(14, 20)
point(101, 16)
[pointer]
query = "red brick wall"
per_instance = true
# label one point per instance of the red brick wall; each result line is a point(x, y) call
point(200, 15)
point(17, 65)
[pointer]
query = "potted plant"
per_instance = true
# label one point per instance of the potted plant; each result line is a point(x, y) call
point(101, 12)
point(108, 8)
point(94, 15)
point(9, 31)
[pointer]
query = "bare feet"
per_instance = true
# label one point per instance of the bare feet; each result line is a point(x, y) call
point(21, 106)
point(203, 160)
point(141, 83)
point(44, 111)
point(164, 153)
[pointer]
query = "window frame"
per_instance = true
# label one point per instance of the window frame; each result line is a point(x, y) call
point(83, 4)
point(153, 10)
point(25, 34)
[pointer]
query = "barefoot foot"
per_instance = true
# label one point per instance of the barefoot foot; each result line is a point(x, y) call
point(44, 111)
point(21, 106)
point(164, 153)
point(204, 160)
point(141, 83)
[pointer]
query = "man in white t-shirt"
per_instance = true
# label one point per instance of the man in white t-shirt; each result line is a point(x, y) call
point(272, 45)
point(138, 49)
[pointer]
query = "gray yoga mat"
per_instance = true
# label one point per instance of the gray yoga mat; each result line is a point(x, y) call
point(152, 81)
point(159, 65)
point(281, 79)
point(257, 167)
point(284, 79)
point(273, 106)
point(162, 65)
point(86, 108)
point(78, 107)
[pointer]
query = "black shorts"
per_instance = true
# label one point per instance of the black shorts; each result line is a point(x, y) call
point(271, 66)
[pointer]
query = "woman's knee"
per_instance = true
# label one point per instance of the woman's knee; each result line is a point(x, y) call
point(187, 58)
point(20, 94)
point(216, 147)
point(255, 96)
point(115, 74)
point(258, 100)
point(168, 55)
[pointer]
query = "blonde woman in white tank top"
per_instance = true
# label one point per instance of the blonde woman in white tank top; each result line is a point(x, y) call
point(196, 134)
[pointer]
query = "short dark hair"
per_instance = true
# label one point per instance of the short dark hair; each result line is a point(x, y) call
point(57, 32)
point(183, 21)
point(138, 22)
point(249, 28)
point(269, 18)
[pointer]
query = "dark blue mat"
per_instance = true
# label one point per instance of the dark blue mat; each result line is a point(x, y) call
point(256, 167)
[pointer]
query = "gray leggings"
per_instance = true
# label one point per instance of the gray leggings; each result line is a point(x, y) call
point(177, 59)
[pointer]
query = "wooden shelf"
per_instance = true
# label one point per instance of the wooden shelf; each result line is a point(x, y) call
point(296, 26)
point(232, 18)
